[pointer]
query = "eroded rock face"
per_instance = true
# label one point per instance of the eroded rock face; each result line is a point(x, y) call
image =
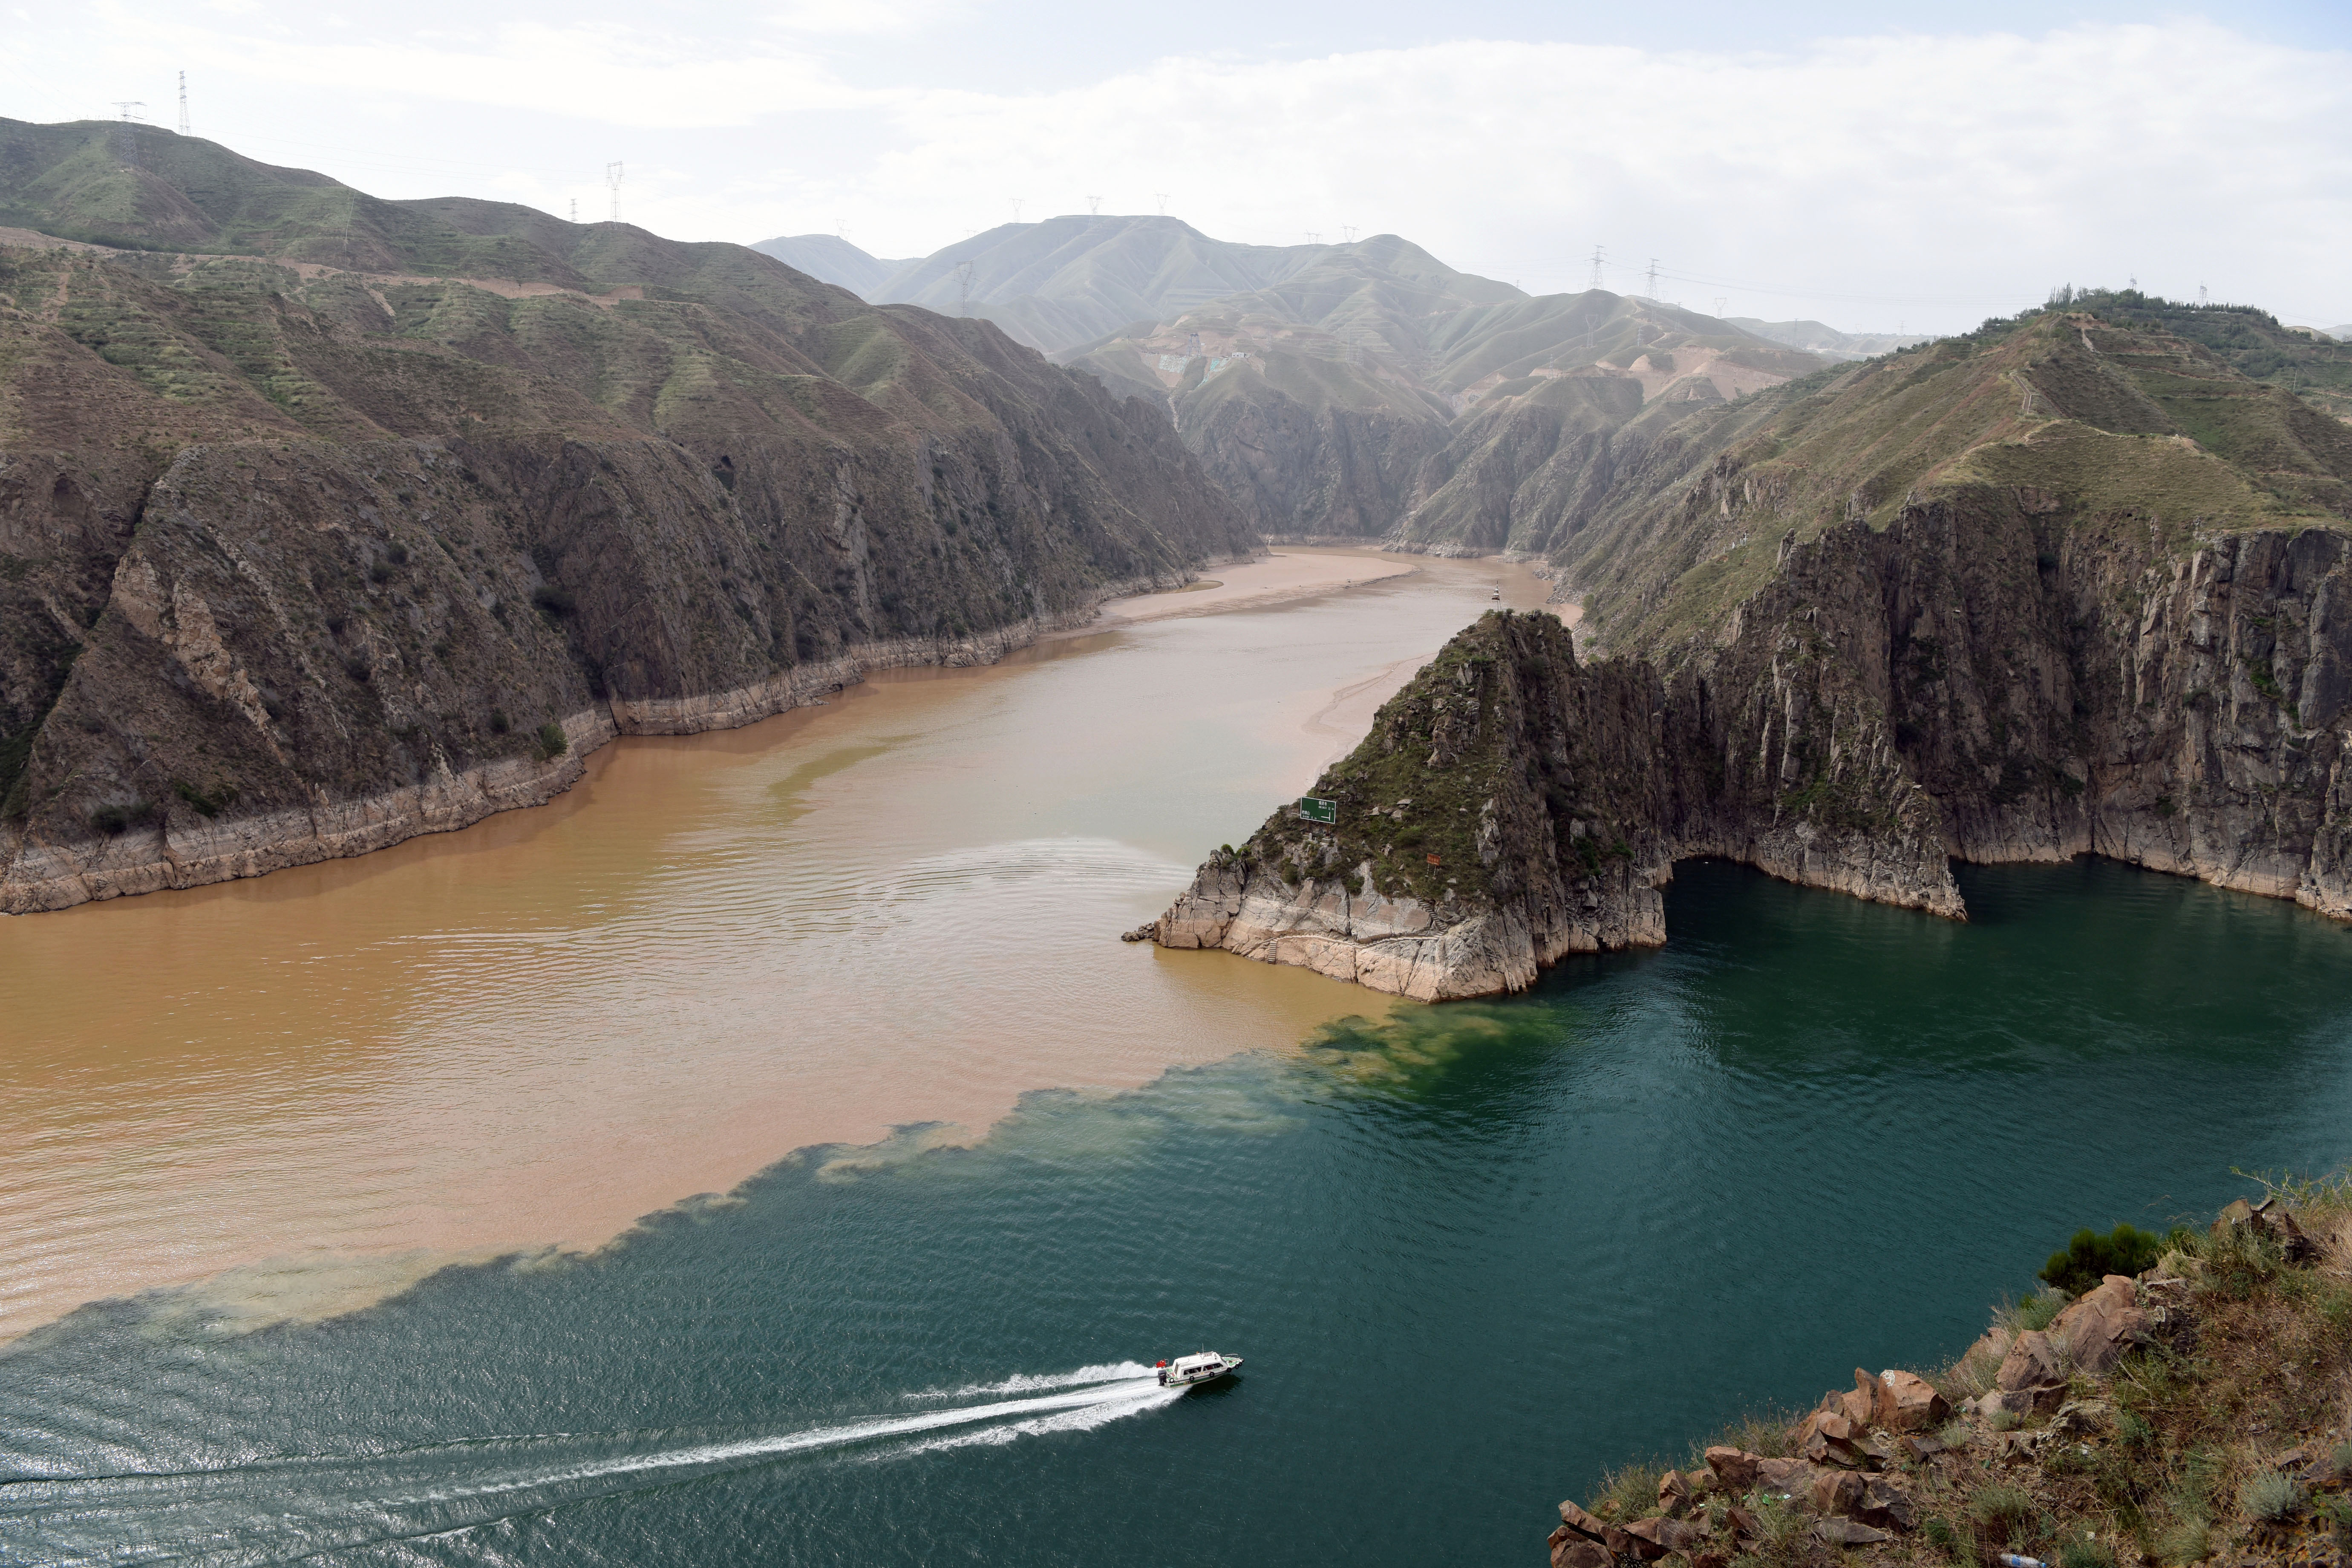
point(1513, 804)
point(303, 565)
point(1949, 688)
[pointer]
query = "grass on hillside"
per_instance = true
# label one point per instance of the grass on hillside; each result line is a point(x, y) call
point(2227, 1437)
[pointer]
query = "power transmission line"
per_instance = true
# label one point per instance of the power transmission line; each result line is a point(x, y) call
point(123, 106)
point(1653, 290)
point(1163, 202)
point(1094, 206)
point(183, 103)
point(1595, 282)
point(1017, 209)
point(612, 181)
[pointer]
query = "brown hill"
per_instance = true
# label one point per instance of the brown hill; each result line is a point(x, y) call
point(299, 556)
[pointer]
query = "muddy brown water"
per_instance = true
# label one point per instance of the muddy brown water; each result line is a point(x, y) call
point(897, 910)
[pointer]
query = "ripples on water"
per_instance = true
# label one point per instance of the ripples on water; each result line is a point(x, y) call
point(1473, 1254)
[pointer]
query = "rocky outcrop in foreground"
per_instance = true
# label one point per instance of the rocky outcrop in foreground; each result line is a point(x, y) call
point(2201, 1405)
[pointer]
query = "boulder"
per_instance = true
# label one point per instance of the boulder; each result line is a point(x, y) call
point(1714, 1558)
point(1835, 1491)
point(1919, 1450)
point(1745, 1525)
point(1858, 1405)
point(2038, 1400)
point(1828, 1437)
point(1653, 1538)
point(1909, 1403)
point(1643, 1533)
point(1789, 1478)
point(1848, 1532)
point(1674, 1494)
point(2032, 1360)
point(1576, 1551)
point(2097, 1330)
point(1574, 1518)
point(1734, 1469)
point(1885, 1505)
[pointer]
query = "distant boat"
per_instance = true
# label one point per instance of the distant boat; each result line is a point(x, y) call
point(1204, 1366)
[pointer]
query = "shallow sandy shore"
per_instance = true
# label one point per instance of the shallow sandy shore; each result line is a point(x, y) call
point(1288, 574)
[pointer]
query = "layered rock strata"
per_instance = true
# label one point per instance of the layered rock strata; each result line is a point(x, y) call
point(1514, 804)
point(2072, 627)
point(297, 562)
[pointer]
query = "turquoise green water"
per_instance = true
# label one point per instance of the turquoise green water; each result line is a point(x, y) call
point(1473, 1257)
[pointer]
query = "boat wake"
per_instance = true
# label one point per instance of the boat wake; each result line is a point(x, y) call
point(279, 1509)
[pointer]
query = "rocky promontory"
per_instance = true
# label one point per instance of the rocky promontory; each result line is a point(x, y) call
point(1513, 804)
point(1863, 627)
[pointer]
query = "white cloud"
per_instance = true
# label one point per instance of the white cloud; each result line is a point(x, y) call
point(1923, 179)
point(1973, 170)
point(857, 17)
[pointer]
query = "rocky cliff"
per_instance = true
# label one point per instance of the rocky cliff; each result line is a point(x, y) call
point(1376, 394)
point(2070, 586)
point(1513, 804)
point(2194, 1410)
point(300, 559)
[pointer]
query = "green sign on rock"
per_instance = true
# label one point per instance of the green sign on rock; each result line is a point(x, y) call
point(1315, 810)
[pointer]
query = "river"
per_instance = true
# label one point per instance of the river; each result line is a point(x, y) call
point(331, 1174)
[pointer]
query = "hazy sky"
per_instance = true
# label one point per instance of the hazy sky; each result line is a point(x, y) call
point(1867, 165)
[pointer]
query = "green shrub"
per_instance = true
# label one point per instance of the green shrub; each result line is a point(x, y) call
point(2002, 1511)
point(210, 805)
point(2187, 1540)
point(2081, 1551)
point(2270, 1497)
point(1629, 1493)
point(2240, 1259)
point(2133, 1430)
point(2091, 1258)
point(1942, 1535)
point(2039, 1311)
point(122, 817)
point(2200, 1480)
point(552, 742)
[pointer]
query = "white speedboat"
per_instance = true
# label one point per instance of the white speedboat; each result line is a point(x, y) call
point(1202, 1366)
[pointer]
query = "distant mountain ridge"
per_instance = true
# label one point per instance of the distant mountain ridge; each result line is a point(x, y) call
point(1828, 341)
point(1357, 390)
point(1069, 281)
point(829, 258)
